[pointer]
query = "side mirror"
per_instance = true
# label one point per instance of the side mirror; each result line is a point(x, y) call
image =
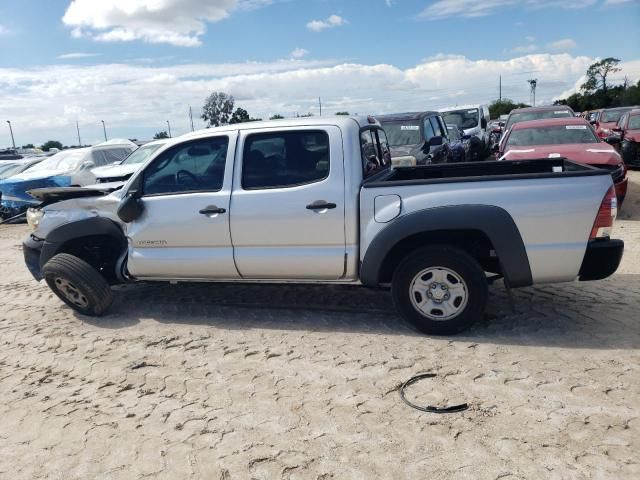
point(495, 148)
point(501, 124)
point(466, 137)
point(87, 165)
point(436, 141)
point(130, 208)
point(483, 123)
point(617, 128)
point(592, 122)
point(612, 139)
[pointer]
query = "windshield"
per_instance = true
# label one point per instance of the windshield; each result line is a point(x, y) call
point(453, 133)
point(464, 119)
point(7, 169)
point(67, 161)
point(634, 122)
point(141, 154)
point(518, 117)
point(556, 135)
point(403, 133)
point(613, 115)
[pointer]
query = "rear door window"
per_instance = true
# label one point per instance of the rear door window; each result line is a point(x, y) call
point(285, 159)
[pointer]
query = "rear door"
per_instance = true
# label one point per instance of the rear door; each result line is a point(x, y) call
point(184, 230)
point(288, 204)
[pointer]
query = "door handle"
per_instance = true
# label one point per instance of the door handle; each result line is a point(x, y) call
point(321, 205)
point(212, 210)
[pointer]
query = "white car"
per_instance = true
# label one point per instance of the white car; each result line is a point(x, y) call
point(120, 171)
point(67, 168)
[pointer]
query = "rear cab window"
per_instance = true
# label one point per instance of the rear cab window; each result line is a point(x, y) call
point(285, 159)
point(376, 152)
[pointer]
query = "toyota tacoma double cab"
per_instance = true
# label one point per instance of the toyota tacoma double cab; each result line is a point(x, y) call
point(315, 200)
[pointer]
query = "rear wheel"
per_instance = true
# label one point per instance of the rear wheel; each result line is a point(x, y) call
point(78, 284)
point(441, 290)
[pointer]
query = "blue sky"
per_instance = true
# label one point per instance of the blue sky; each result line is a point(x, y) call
point(117, 60)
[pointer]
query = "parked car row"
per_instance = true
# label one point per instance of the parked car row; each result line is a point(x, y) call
point(71, 167)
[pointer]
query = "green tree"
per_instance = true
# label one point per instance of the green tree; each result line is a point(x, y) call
point(28, 145)
point(161, 135)
point(598, 72)
point(304, 115)
point(503, 107)
point(343, 113)
point(217, 109)
point(241, 116)
point(51, 144)
point(276, 117)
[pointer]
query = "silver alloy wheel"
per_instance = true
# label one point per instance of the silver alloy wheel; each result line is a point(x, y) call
point(71, 292)
point(438, 293)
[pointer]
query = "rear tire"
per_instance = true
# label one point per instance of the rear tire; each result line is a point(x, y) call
point(78, 284)
point(441, 290)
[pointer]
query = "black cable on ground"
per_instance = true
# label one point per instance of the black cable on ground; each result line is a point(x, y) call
point(429, 408)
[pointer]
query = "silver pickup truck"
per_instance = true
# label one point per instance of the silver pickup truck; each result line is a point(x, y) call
point(315, 200)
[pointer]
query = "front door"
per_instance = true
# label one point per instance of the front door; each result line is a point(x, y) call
point(288, 204)
point(184, 230)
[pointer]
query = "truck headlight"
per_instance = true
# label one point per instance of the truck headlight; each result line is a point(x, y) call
point(34, 215)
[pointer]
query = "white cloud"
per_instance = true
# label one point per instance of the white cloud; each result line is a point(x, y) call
point(75, 55)
point(473, 8)
point(530, 38)
point(617, 2)
point(136, 99)
point(332, 21)
point(176, 22)
point(563, 45)
point(299, 53)
point(3, 30)
point(525, 48)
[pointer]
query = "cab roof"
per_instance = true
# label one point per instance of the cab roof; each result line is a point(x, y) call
point(550, 122)
point(337, 120)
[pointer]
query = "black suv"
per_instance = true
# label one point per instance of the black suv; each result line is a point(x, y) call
point(418, 138)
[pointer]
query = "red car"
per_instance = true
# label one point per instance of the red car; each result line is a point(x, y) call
point(605, 120)
point(571, 138)
point(629, 130)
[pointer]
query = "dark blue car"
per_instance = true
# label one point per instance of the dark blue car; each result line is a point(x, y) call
point(459, 143)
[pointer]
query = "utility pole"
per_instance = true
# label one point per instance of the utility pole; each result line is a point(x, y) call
point(169, 127)
point(78, 129)
point(500, 88)
point(13, 142)
point(191, 117)
point(320, 103)
point(104, 128)
point(533, 83)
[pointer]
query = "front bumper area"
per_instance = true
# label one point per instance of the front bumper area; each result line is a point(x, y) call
point(601, 259)
point(32, 248)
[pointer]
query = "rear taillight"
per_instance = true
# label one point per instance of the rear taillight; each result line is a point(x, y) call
point(606, 216)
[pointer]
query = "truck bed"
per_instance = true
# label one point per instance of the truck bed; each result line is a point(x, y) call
point(552, 201)
point(483, 171)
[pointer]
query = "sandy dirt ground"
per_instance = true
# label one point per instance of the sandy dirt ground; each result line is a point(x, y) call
point(227, 382)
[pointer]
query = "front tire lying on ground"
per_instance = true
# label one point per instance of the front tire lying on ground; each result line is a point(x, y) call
point(441, 290)
point(78, 284)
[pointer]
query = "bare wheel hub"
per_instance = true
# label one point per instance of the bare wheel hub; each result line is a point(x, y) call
point(439, 293)
point(71, 292)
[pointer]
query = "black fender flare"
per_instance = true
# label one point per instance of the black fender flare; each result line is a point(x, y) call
point(88, 227)
point(492, 221)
